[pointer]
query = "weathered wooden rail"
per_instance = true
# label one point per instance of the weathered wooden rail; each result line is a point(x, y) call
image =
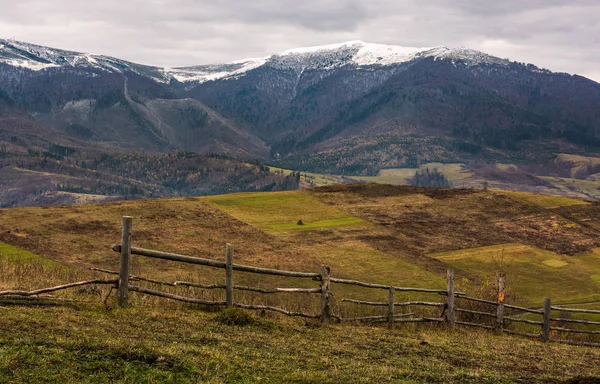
point(40, 297)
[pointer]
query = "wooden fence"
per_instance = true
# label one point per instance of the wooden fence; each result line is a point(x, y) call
point(450, 313)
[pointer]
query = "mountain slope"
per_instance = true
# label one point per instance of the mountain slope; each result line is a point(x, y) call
point(438, 104)
point(103, 99)
point(349, 108)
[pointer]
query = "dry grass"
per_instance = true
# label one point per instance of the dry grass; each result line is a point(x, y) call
point(545, 201)
point(157, 340)
point(366, 232)
point(94, 345)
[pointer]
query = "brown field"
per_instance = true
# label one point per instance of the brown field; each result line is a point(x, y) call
point(378, 233)
point(384, 234)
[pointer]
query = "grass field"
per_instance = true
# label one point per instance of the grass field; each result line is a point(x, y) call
point(456, 173)
point(579, 164)
point(383, 234)
point(586, 187)
point(532, 274)
point(12, 254)
point(140, 345)
point(545, 201)
point(390, 235)
point(282, 211)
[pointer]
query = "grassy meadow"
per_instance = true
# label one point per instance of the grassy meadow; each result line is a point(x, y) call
point(404, 236)
point(457, 173)
point(533, 274)
point(142, 345)
point(391, 235)
point(546, 201)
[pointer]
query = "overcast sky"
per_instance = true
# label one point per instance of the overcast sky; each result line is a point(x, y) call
point(556, 34)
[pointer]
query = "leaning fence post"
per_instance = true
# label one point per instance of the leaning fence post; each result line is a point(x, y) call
point(500, 309)
point(450, 300)
point(391, 308)
point(229, 276)
point(123, 285)
point(546, 326)
point(325, 295)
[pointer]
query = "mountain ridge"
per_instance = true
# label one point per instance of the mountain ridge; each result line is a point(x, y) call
point(38, 57)
point(351, 108)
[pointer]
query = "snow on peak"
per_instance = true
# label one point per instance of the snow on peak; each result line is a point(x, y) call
point(36, 57)
point(354, 53)
point(381, 54)
point(319, 48)
point(204, 73)
point(466, 55)
point(362, 53)
point(323, 57)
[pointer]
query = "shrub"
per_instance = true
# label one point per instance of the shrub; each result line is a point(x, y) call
point(235, 316)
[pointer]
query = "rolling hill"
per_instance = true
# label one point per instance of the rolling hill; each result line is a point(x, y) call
point(386, 234)
point(546, 245)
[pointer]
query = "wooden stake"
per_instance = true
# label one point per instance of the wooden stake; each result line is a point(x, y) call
point(229, 276)
point(546, 326)
point(325, 295)
point(123, 291)
point(391, 308)
point(500, 308)
point(450, 307)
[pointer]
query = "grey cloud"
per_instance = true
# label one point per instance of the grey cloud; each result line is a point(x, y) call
point(556, 34)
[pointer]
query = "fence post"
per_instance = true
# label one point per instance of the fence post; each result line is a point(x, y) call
point(123, 286)
point(391, 308)
point(546, 326)
point(229, 276)
point(500, 309)
point(450, 300)
point(325, 295)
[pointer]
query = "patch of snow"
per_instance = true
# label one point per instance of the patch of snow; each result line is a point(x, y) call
point(32, 65)
point(206, 73)
point(467, 55)
point(319, 48)
point(380, 54)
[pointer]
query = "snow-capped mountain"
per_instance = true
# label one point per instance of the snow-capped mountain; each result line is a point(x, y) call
point(356, 54)
point(353, 53)
point(351, 107)
point(36, 58)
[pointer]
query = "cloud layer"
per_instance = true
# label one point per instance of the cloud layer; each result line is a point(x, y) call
point(555, 34)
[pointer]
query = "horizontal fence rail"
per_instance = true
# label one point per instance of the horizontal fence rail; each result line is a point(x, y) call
point(57, 288)
point(386, 287)
point(574, 310)
point(214, 263)
point(174, 297)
